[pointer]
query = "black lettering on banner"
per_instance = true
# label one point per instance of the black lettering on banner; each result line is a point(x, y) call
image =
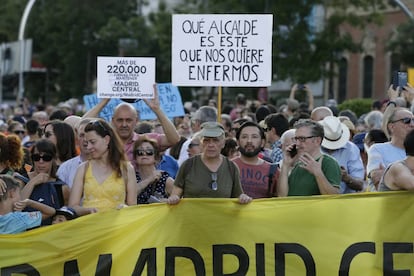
point(233, 249)
point(389, 249)
point(149, 257)
point(260, 260)
point(186, 252)
point(71, 268)
point(103, 268)
point(120, 69)
point(24, 269)
point(351, 252)
point(284, 248)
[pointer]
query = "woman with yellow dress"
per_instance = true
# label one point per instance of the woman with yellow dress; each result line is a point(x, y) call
point(107, 180)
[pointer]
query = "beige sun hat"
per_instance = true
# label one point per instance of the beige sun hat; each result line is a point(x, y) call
point(336, 133)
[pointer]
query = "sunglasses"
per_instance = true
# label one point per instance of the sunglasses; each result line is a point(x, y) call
point(97, 124)
point(406, 120)
point(148, 152)
point(17, 132)
point(192, 145)
point(45, 157)
point(214, 184)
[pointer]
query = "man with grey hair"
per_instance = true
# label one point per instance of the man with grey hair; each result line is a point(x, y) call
point(203, 114)
point(311, 172)
point(373, 120)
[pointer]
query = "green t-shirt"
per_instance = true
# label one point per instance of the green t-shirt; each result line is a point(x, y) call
point(195, 180)
point(303, 183)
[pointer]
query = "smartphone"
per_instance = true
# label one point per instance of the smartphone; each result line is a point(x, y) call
point(293, 151)
point(399, 80)
point(301, 87)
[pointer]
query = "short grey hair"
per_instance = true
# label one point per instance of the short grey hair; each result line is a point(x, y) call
point(373, 120)
point(206, 114)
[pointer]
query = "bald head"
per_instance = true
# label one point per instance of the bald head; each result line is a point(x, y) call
point(125, 107)
point(319, 113)
point(124, 120)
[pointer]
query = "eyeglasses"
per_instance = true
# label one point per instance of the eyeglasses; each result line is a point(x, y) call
point(192, 145)
point(45, 157)
point(406, 120)
point(302, 138)
point(148, 152)
point(214, 184)
point(17, 132)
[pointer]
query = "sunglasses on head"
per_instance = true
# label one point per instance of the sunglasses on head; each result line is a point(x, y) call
point(148, 152)
point(45, 157)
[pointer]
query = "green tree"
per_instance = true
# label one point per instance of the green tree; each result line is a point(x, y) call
point(69, 35)
point(403, 43)
point(66, 36)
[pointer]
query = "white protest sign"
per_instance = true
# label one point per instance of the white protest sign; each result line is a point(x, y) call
point(125, 77)
point(222, 49)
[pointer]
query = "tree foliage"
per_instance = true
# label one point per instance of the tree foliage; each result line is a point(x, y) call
point(69, 35)
point(403, 43)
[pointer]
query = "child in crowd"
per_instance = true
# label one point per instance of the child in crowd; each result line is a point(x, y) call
point(63, 214)
point(12, 220)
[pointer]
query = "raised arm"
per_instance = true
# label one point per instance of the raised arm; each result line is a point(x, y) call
point(94, 111)
point(171, 136)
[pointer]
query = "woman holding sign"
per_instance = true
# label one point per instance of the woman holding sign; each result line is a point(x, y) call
point(107, 180)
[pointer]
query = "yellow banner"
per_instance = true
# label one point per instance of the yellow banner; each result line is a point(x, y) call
point(364, 234)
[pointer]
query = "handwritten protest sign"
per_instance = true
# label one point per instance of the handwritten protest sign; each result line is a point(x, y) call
point(222, 50)
point(170, 102)
point(125, 77)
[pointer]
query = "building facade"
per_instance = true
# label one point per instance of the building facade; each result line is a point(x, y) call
point(368, 74)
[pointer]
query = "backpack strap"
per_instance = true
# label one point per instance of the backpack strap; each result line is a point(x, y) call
point(272, 170)
point(232, 167)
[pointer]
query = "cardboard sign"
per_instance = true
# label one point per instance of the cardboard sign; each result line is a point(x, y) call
point(170, 102)
point(125, 77)
point(222, 49)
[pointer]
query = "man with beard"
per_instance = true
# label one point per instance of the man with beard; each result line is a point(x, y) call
point(257, 176)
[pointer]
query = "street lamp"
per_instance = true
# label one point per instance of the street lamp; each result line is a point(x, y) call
point(22, 28)
point(404, 9)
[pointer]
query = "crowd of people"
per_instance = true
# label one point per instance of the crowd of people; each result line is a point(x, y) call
point(56, 166)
